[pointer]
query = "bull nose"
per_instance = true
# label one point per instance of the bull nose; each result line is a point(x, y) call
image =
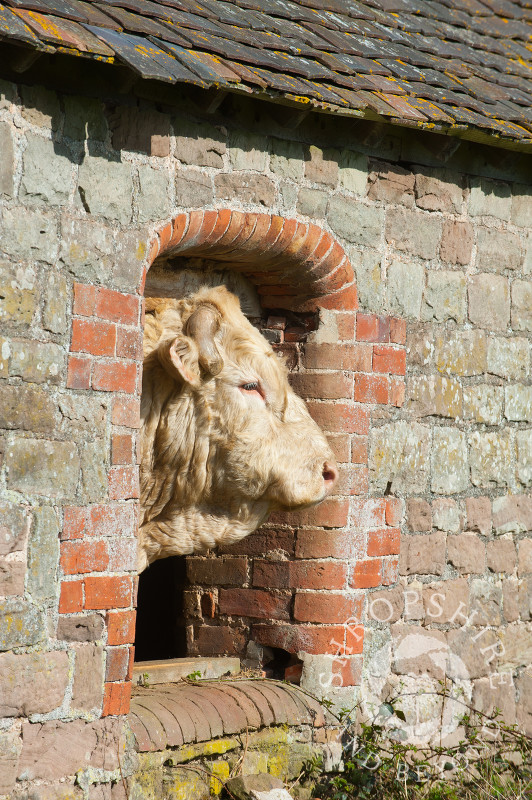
point(330, 475)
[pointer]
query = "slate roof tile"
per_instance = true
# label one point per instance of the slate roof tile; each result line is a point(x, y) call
point(462, 65)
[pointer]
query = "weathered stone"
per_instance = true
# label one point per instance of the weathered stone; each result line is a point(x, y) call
point(518, 403)
point(422, 555)
point(153, 200)
point(524, 457)
point(439, 190)
point(460, 352)
point(433, 395)
point(59, 791)
point(43, 467)
point(527, 263)
point(37, 362)
point(512, 514)
point(130, 251)
point(47, 172)
point(386, 606)
point(7, 162)
point(524, 566)
point(247, 151)
point(288, 195)
point(5, 352)
point(490, 458)
point(516, 644)
point(193, 188)
point(14, 525)
point(10, 750)
point(489, 301)
point(415, 232)
point(444, 297)
point(418, 514)
point(370, 285)
point(200, 144)
point(443, 599)
point(485, 600)
point(81, 628)
point(21, 624)
point(94, 471)
point(525, 598)
point(25, 408)
point(40, 107)
point(483, 403)
point(497, 691)
point(114, 202)
point(87, 690)
point(82, 414)
point(405, 288)
point(524, 706)
point(249, 188)
point(489, 198)
point(457, 242)
point(53, 750)
point(249, 787)
point(501, 555)
point(140, 129)
point(475, 651)
point(43, 554)
point(446, 515)
point(419, 344)
point(353, 171)
point(521, 205)
point(29, 234)
point(510, 599)
point(391, 184)
point(522, 305)
point(354, 221)
point(286, 159)
point(450, 472)
point(33, 683)
point(55, 303)
point(509, 358)
point(399, 453)
point(498, 250)
point(7, 94)
point(12, 574)
point(312, 202)
point(84, 119)
point(417, 651)
point(88, 249)
point(321, 166)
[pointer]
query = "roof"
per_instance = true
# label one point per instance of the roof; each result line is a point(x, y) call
point(462, 67)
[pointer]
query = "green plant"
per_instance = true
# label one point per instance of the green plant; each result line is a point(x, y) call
point(194, 676)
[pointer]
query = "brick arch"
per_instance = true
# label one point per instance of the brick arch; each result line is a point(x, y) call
point(295, 265)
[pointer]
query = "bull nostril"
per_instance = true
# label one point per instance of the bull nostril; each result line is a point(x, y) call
point(330, 473)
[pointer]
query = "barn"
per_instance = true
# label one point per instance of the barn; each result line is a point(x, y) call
point(359, 174)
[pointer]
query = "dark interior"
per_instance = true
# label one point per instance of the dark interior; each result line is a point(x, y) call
point(160, 630)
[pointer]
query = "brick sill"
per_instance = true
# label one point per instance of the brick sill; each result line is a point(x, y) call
point(174, 670)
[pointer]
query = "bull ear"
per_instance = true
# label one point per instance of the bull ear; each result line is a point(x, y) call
point(180, 358)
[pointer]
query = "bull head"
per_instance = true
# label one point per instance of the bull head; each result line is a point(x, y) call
point(224, 438)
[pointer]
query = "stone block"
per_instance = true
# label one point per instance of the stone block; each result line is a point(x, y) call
point(419, 344)
point(288, 196)
point(501, 556)
point(193, 188)
point(286, 159)
point(522, 305)
point(312, 202)
point(391, 184)
point(37, 362)
point(88, 249)
point(485, 600)
point(370, 285)
point(518, 403)
point(497, 691)
point(21, 624)
point(516, 646)
point(81, 628)
point(12, 574)
point(524, 457)
point(29, 234)
point(509, 358)
point(433, 395)
point(387, 605)
point(54, 750)
point(490, 199)
point(247, 151)
point(457, 242)
point(422, 554)
point(512, 514)
point(105, 188)
point(43, 555)
point(32, 683)
point(139, 129)
point(460, 352)
point(399, 453)
point(353, 171)
point(7, 94)
point(200, 144)
point(25, 408)
point(414, 232)
point(56, 302)
point(450, 470)
point(248, 188)
point(354, 221)
point(82, 414)
point(84, 119)
point(14, 524)
point(527, 263)
point(483, 403)
point(521, 205)
point(498, 250)
point(466, 553)
point(43, 467)
point(475, 652)
point(87, 689)
point(439, 190)
point(418, 514)
point(525, 598)
point(7, 162)
point(321, 166)
point(442, 601)
point(94, 456)
point(510, 599)
point(490, 458)
point(10, 750)
point(405, 288)
point(444, 297)
point(446, 515)
point(47, 172)
point(263, 785)
point(153, 201)
point(418, 651)
point(524, 705)
point(524, 566)
point(489, 301)
point(40, 107)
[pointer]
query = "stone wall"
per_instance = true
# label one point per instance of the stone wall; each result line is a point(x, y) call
point(437, 234)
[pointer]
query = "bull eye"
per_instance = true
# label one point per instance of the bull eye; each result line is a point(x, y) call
point(250, 387)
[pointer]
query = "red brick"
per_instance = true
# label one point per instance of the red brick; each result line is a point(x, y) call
point(367, 574)
point(347, 671)
point(80, 557)
point(117, 307)
point(254, 603)
point(394, 511)
point(339, 417)
point(108, 592)
point(79, 372)
point(262, 542)
point(129, 343)
point(114, 376)
point(123, 555)
point(324, 386)
point(397, 330)
point(352, 481)
point(359, 450)
point(326, 607)
point(390, 571)
point(217, 571)
point(314, 639)
point(94, 337)
point(108, 520)
point(122, 449)
point(384, 542)
point(371, 328)
point(120, 627)
point(389, 359)
point(74, 522)
point(370, 513)
point(123, 483)
point(346, 326)
point(354, 639)
point(117, 664)
point(71, 597)
point(84, 299)
point(214, 640)
point(344, 300)
point(354, 357)
point(271, 574)
point(126, 412)
point(397, 392)
point(340, 445)
point(208, 605)
point(318, 574)
point(371, 389)
point(329, 544)
point(332, 513)
point(116, 699)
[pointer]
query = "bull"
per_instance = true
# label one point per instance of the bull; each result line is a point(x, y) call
point(225, 440)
